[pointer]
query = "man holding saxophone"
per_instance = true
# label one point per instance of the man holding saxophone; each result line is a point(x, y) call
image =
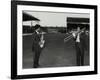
point(38, 43)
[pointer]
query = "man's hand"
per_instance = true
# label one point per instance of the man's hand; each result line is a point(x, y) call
point(74, 34)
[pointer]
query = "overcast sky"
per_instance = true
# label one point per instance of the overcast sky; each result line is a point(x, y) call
point(52, 18)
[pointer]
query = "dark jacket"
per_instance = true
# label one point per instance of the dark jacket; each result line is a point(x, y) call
point(82, 40)
point(36, 40)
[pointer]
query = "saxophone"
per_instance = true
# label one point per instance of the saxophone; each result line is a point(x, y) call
point(42, 41)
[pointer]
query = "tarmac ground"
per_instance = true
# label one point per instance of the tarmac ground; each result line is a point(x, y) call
point(55, 54)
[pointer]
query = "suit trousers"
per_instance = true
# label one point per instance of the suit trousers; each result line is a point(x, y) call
point(36, 58)
point(79, 54)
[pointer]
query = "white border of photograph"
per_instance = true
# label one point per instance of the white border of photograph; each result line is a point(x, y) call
point(21, 71)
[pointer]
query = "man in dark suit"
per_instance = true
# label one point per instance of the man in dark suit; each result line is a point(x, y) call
point(36, 45)
point(79, 38)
